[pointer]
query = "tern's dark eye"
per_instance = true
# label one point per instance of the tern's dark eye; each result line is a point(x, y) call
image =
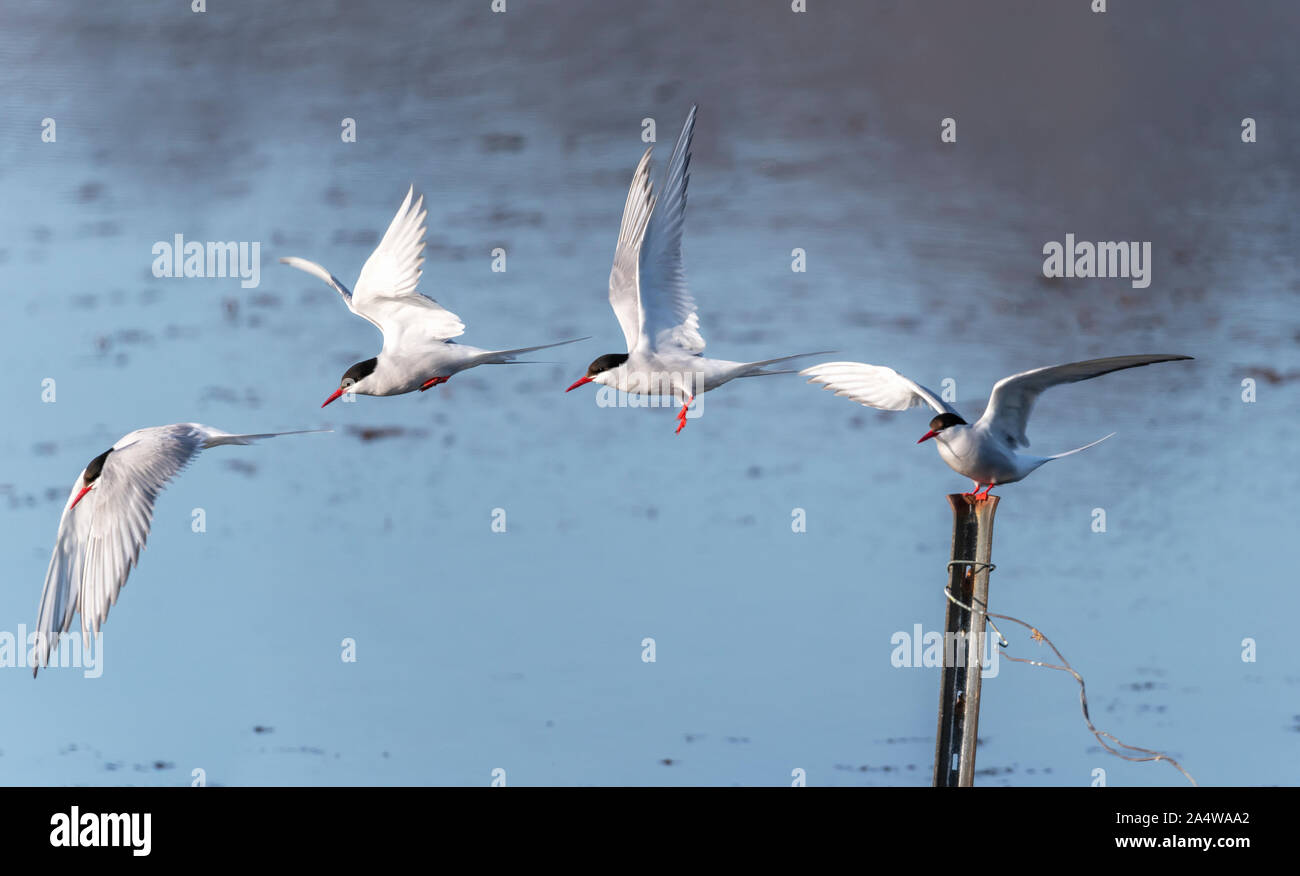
point(95, 467)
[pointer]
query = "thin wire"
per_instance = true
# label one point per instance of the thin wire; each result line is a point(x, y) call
point(1002, 640)
point(989, 566)
point(1152, 755)
point(972, 568)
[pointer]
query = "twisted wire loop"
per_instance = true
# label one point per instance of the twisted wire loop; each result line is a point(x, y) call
point(1150, 754)
point(1002, 640)
point(975, 566)
point(1038, 636)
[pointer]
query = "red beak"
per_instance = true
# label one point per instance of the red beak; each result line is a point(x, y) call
point(579, 382)
point(927, 436)
point(84, 491)
point(338, 392)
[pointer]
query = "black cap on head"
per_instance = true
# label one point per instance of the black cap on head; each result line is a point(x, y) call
point(96, 467)
point(608, 362)
point(943, 421)
point(359, 371)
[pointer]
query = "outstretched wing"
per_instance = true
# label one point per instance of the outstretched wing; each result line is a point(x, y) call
point(100, 539)
point(624, 276)
point(1013, 397)
point(668, 314)
point(875, 386)
point(385, 293)
point(319, 272)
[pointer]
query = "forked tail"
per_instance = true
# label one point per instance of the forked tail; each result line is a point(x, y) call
point(219, 438)
point(755, 369)
point(1077, 449)
point(507, 357)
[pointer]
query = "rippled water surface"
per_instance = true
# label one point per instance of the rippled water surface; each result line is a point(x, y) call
point(522, 650)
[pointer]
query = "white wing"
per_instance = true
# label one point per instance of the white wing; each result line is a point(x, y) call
point(385, 293)
point(668, 315)
point(1013, 397)
point(624, 295)
point(318, 271)
point(63, 578)
point(875, 386)
point(99, 540)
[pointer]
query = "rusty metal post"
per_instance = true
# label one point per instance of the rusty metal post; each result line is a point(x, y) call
point(959, 686)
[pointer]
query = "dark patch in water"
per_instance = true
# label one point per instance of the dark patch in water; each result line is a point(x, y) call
point(102, 228)
point(242, 466)
point(438, 248)
point(666, 92)
point(784, 169)
point(844, 767)
point(1269, 375)
point(281, 239)
point(502, 142)
point(335, 197)
point(376, 433)
point(219, 393)
point(1143, 685)
point(355, 238)
point(88, 192)
point(510, 218)
point(863, 319)
point(131, 337)
point(177, 332)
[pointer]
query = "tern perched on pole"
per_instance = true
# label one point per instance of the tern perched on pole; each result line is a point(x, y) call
point(987, 451)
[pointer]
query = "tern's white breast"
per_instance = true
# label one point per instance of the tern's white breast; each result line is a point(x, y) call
point(983, 458)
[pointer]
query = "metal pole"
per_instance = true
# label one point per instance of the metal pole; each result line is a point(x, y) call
point(959, 686)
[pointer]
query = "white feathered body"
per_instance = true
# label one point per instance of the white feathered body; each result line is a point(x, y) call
point(983, 457)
